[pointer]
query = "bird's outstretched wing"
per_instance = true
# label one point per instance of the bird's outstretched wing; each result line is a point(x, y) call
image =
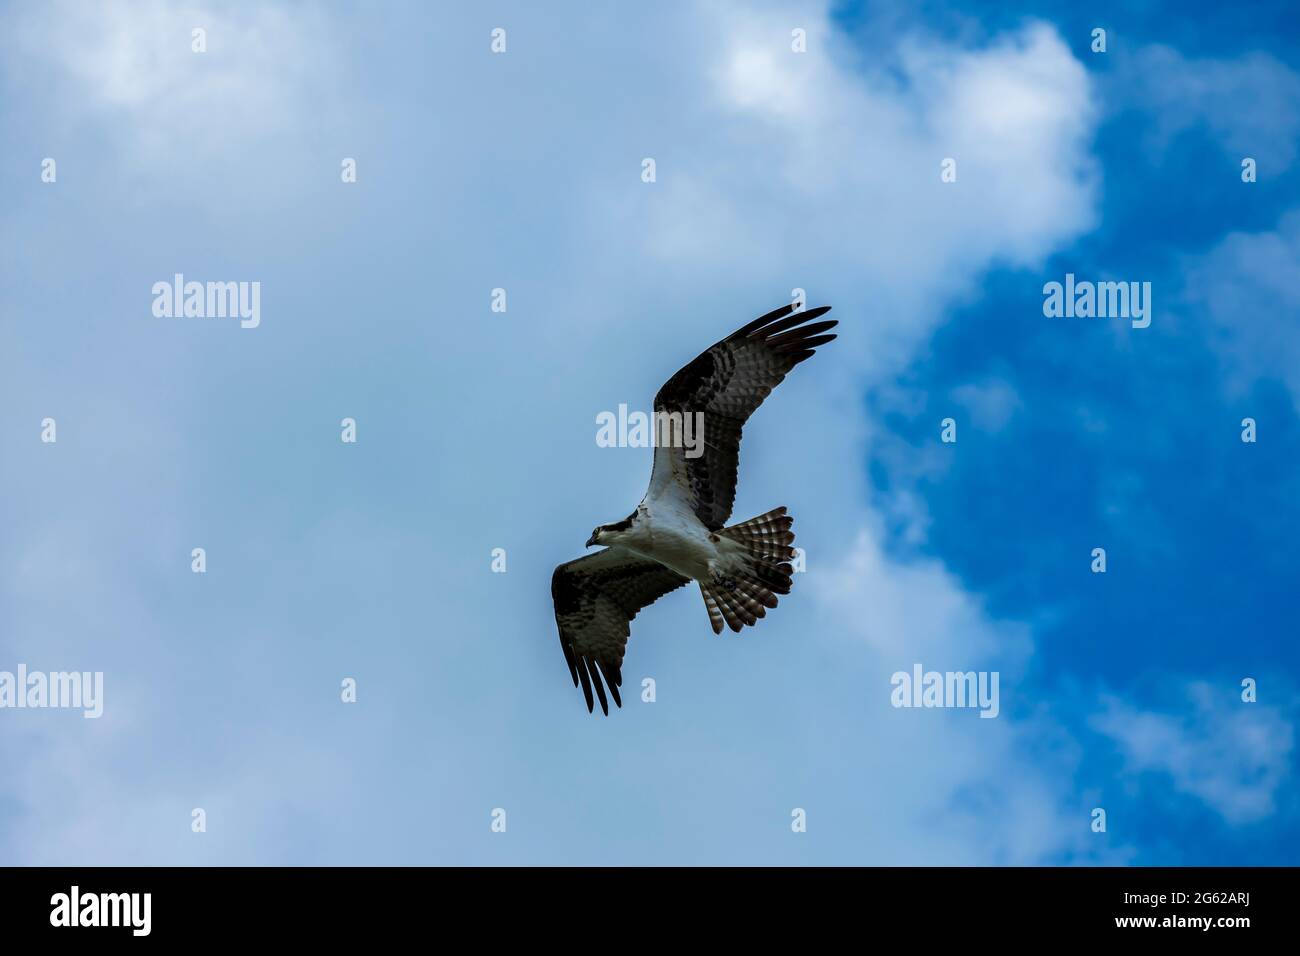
point(726, 383)
point(596, 597)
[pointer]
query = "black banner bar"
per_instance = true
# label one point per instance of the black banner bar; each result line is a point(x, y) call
point(236, 904)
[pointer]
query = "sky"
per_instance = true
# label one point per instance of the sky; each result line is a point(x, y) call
point(775, 170)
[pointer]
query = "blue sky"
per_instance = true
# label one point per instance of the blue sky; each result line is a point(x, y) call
point(476, 430)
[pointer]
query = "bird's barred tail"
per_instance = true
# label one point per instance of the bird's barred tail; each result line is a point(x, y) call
point(743, 597)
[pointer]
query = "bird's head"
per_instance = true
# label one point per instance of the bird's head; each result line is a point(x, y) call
point(610, 534)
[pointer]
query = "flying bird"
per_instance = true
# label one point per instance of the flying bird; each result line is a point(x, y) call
point(679, 532)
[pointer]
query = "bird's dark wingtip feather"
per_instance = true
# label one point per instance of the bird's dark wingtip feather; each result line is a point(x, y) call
point(782, 320)
point(816, 340)
point(599, 685)
point(612, 678)
point(586, 684)
point(818, 312)
point(796, 336)
point(761, 321)
point(568, 658)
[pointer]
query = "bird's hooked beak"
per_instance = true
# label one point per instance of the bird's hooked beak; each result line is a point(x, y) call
point(591, 542)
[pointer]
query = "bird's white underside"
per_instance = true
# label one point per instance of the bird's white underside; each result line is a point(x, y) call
point(665, 529)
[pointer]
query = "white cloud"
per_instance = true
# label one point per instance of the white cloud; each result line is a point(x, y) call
point(775, 169)
point(1247, 285)
point(1233, 756)
point(991, 403)
point(833, 170)
point(842, 180)
point(134, 61)
point(1250, 104)
point(977, 791)
point(126, 74)
point(917, 610)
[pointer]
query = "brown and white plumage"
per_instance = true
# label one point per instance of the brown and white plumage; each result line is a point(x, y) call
point(596, 597)
point(677, 533)
point(727, 382)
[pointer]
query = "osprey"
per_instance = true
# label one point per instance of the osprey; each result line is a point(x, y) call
point(678, 532)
